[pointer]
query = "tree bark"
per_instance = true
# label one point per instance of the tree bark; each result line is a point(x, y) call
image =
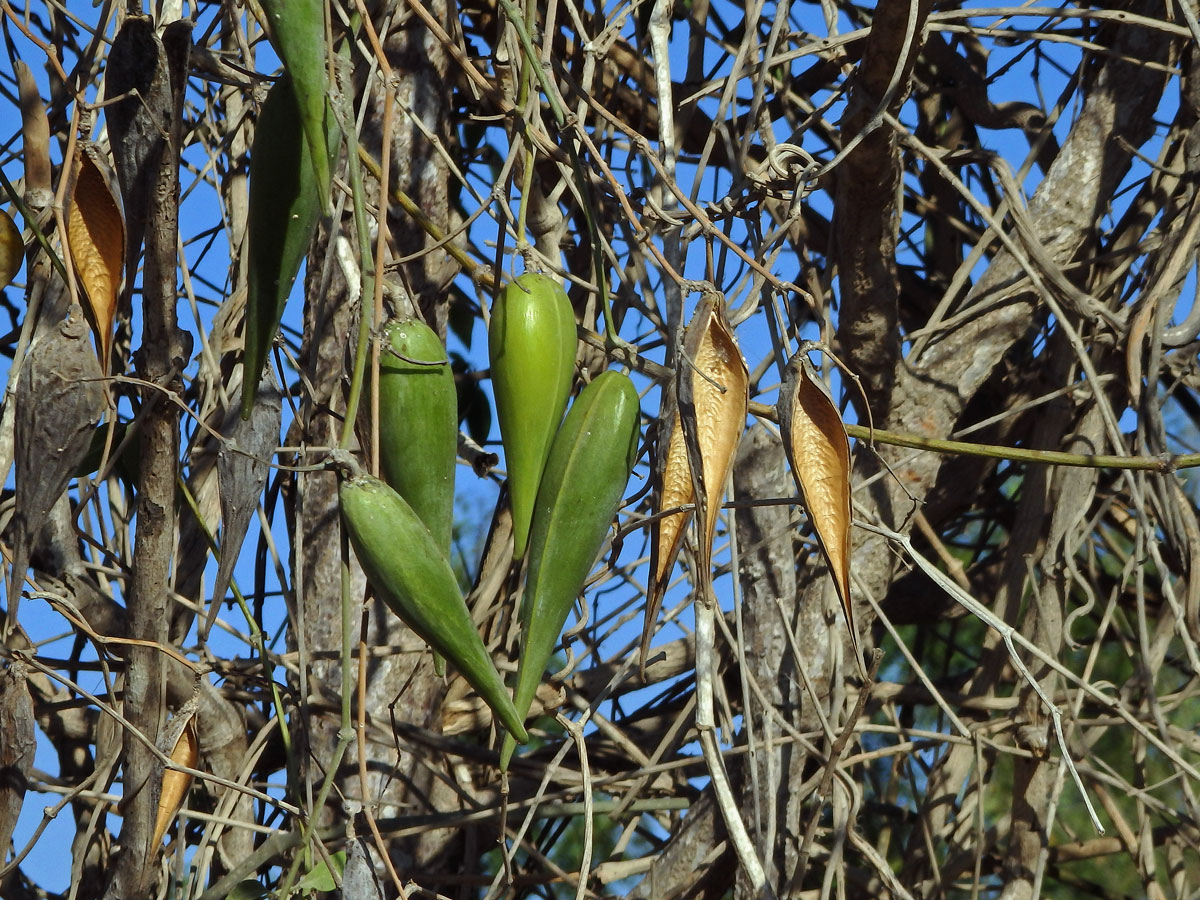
point(163, 359)
point(398, 777)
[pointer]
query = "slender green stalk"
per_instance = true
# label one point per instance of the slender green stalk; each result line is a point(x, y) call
point(366, 319)
point(526, 187)
point(581, 179)
point(1165, 463)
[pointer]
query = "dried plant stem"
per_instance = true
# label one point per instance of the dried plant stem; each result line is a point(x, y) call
point(151, 748)
point(344, 114)
point(575, 730)
point(835, 754)
point(504, 874)
point(660, 30)
point(346, 734)
point(706, 726)
point(918, 670)
point(1011, 637)
point(360, 733)
point(581, 182)
point(1165, 463)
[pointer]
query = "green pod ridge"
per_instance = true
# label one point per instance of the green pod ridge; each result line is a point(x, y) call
point(412, 576)
point(418, 424)
point(531, 343)
point(285, 205)
point(585, 478)
point(297, 31)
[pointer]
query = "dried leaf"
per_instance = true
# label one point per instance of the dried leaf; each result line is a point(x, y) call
point(243, 464)
point(706, 407)
point(60, 398)
point(12, 249)
point(359, 881)
point(819, 454)
point(96, 233)
point(184, 746)
point(139, 110)
point(17, 746)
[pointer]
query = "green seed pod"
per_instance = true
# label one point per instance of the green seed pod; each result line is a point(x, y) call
point(418, 424)
point(418, 428)
point(584, 481)
point(412, 576)
point(297, 30)
point(531, 342)
point(285, 205)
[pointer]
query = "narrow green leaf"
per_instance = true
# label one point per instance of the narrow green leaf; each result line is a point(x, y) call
point(297, 31)
point(285, 205)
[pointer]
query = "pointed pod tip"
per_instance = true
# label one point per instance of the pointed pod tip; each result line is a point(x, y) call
point(514, 731)
point(249, 387)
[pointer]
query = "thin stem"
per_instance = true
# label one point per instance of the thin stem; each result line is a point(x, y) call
point(366, 321)
point(1011, 637)
point(1165, 463)
point(581, 181)
point(706, 726)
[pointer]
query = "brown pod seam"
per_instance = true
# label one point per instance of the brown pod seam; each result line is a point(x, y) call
point(705, 406)
point(818, 452)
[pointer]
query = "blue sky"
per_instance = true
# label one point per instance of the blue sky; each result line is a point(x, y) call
point(207, 257)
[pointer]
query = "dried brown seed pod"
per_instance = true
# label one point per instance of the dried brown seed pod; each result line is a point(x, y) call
point(60, 398)
point(818, 452)
point(96, 234)
point(701, 422)
point(182, 744)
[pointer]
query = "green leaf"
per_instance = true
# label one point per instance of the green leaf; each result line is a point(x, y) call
point(319, 878)
point(247, 890)
point(285, 204)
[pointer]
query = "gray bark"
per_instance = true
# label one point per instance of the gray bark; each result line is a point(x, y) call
point(398, 778)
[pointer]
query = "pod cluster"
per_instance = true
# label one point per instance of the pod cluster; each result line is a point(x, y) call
point(566, 479)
